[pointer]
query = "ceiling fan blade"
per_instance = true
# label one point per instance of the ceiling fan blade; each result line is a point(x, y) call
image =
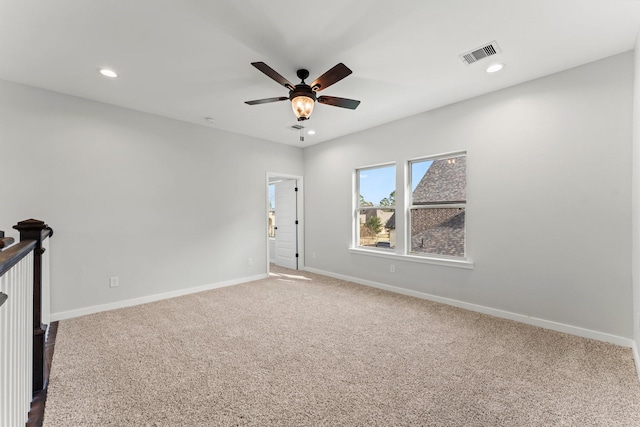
point(332, 76)
point(351, 104)
point(273, 74)
point(266, 100)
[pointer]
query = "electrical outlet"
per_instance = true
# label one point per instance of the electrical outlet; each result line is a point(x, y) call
point(250, 262)
point(392, 268)
point(114, 282)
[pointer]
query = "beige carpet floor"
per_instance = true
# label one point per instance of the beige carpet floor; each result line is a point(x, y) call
point(298, 349)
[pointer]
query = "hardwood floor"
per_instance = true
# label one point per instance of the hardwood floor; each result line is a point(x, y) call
point(36, 415)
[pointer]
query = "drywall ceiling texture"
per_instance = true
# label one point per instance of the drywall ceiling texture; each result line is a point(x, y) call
point(162, 204)
point(549, 198)
point(190, 59)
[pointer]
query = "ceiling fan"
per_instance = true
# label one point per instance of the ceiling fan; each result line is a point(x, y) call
point(302, 95)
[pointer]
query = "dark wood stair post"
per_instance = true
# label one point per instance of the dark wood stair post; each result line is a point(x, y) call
point(33, 229)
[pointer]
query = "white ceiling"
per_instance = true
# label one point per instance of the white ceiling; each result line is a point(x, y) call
point(190, 59)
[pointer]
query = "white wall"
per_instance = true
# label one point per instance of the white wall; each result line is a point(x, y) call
point(549, 198)
point(635, 253)
point(162, 204)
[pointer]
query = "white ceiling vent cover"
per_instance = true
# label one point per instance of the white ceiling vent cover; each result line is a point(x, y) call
point(482, 52)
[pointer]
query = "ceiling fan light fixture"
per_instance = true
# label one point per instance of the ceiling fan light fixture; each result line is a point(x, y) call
point(302, 106)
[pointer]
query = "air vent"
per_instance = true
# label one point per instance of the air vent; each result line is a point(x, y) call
point(296, 127)
point(482, 52)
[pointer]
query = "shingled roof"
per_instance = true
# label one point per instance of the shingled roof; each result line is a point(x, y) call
point(444, 182)
point(444, 236)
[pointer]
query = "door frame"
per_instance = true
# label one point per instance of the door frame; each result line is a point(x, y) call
point(270, 176)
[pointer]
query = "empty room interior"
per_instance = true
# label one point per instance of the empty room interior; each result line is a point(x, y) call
point(470, 162)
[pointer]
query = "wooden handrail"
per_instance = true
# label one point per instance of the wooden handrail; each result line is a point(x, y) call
point(46, 232)
point(11, 256)
point(6, 242)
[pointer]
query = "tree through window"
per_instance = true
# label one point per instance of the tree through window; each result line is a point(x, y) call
point(376, 188)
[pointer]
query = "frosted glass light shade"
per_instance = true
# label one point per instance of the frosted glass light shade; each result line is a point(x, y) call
point(302, 107)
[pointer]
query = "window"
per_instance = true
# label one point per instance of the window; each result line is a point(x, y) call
point(438, 205)
point(272, 211)
point(375, 212)
point(431, 225)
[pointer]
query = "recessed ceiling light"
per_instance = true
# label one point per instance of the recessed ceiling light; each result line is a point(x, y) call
point(108, 73)
point(494, 68)
point(311, 132)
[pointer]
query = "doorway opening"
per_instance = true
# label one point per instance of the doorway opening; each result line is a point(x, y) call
point(284, 221)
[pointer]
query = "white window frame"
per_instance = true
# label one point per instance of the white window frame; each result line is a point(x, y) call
point(403, 206)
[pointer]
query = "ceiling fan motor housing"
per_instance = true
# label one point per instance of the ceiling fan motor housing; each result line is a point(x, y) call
point(302, 90)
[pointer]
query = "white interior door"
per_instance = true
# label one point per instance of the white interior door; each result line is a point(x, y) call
point(286, 224)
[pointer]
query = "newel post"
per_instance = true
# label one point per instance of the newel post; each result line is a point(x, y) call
point(33, 229)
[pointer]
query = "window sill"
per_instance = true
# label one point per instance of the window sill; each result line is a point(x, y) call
point(458, 263)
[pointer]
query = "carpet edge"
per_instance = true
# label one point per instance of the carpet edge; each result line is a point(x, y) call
point(63, 315)
point(533, 321)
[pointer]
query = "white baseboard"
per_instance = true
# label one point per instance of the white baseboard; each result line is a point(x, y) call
point(150, 298)
point(542, 323)
point(636, 358)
